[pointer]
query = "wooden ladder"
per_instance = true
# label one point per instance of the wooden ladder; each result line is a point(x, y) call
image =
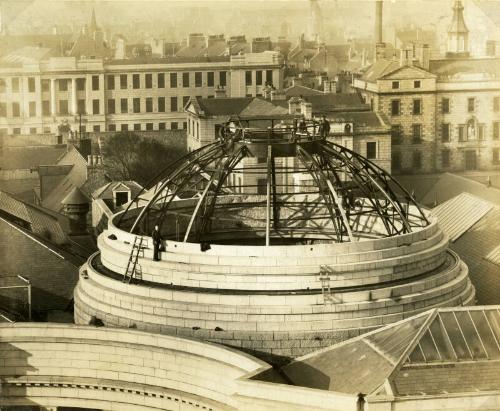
point(324, 277)
point(133, 269)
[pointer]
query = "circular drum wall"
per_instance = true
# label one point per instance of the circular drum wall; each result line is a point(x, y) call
point(273, 300)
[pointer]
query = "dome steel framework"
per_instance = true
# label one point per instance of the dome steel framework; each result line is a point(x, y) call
point(265, 181)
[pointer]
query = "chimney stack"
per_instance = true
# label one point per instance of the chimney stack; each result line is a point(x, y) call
point(379, 51)
point(330, 86)
point(378, 21)
point(406, 57)
point(278, 95)
point(294, 105)
point(306, 109)
point(423, 55)
point(76, 206)
point(220, 92)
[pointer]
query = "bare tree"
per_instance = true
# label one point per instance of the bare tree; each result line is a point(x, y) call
point(128, 156)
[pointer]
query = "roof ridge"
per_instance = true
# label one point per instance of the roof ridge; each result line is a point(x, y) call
point(423, 328)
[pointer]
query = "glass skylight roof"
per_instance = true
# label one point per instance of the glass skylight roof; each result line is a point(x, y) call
point(461, 335)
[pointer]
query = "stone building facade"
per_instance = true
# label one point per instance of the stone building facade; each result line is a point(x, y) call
point(444, 113)
point(114, 95)
point(353, 124)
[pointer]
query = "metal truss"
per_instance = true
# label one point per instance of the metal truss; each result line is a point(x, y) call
point(275, 184)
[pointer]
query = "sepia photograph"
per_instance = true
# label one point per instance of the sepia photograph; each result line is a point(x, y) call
point(249, 205)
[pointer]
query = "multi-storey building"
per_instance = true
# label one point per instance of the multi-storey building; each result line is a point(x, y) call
point(113, 95)
point(352, 123)
point(444, 113)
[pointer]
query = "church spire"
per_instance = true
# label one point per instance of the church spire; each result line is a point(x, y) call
point(458, 33)
point(93, 22)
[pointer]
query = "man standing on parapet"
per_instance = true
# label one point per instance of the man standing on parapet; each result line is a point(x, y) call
point(325, 127)
point(157, 239)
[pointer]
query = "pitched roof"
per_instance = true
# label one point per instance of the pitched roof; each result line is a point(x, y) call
point(106, 191)
point(301, 91)
point(75, 197)
point(457, 337)
point(26, 157)
point(360, 119)
point(86, 46)
point(39, 221)
point(450, 185)
point(336, 102)
point(260, 107)
point(476, 248)
point(379, 69)
point(170, 60)
point(76, 177)
point(461, 212)
point(28, 54)
point(340, 51)
point(487, 67)
point(221, 106)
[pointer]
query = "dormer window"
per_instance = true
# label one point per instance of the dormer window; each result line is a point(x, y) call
point(121, 197)
point(395, 85)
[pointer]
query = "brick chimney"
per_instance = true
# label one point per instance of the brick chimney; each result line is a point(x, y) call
point(406, 57)
point(220, 92)
point(380, 51)
point(294, 105)
point(306, 109)
point(423, 55)
point(76, 206)
point(330, 86)
point(278, 95)
point(378, 21)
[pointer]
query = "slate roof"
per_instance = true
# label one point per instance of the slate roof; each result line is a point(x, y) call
point(56, 42)
point(445, 350)
point(480, 239)
point(106, 191)
point(450, 185)
point(340, 51)
point(459, 213)
point(199, 50)
point(28, 54)
point(367, 119)
point(259, 108)
point(86, 46)
point(448, 68)
point(336, 102)
point(301, 91)
point(221, 106)
point(75, 197)
point(17, 158)
point(474, 247)
point(494, 255)
point(41, 222)
point(379, 69)
point(170, 60)
point(76, 177)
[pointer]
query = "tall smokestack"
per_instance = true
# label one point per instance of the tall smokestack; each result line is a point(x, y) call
point(378, 21)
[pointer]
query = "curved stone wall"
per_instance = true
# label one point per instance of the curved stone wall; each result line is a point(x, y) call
point(269, 299)
point(116, 369)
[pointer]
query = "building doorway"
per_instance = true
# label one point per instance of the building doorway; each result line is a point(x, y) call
point(470, 160)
